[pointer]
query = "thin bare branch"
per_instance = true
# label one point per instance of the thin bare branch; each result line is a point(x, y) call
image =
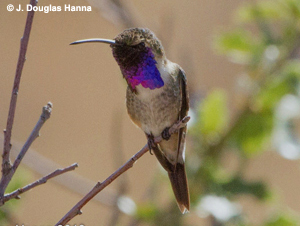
point(16, 193)
point(76, 210)
point(34, 134)
point(13, 101)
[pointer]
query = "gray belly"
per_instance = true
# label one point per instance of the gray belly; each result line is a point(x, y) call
point(154, 110)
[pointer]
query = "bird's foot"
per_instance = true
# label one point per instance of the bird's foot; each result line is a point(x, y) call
point(165, 134)
point(151, 143)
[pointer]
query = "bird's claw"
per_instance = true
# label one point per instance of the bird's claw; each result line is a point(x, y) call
point(151, 143)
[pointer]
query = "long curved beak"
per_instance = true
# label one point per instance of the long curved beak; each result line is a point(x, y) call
point(102, 40)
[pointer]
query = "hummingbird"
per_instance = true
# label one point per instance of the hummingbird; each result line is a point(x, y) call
point(156, 98)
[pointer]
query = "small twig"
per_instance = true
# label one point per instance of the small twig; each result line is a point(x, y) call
point(76, 210)
point(6, 165)
point(16, 193)
point(34, 134)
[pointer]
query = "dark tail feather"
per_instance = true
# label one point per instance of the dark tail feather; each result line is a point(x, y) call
point(180, 187)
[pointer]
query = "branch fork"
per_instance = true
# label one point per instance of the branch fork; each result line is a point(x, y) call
point(6, 178)
point(8, 169)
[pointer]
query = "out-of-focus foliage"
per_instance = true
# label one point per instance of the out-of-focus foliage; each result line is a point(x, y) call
point(213, 117)
point(266, 40)
point(282, 220)
point(21, 178)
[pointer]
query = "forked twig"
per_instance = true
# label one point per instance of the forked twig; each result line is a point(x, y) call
point(76, 210)
point(6, 178)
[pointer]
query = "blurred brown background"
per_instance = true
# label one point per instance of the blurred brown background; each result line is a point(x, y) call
point(87, 91)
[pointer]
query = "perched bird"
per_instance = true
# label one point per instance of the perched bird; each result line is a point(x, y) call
point(156, 98)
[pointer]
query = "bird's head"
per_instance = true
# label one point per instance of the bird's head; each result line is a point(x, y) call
point(137, 52)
